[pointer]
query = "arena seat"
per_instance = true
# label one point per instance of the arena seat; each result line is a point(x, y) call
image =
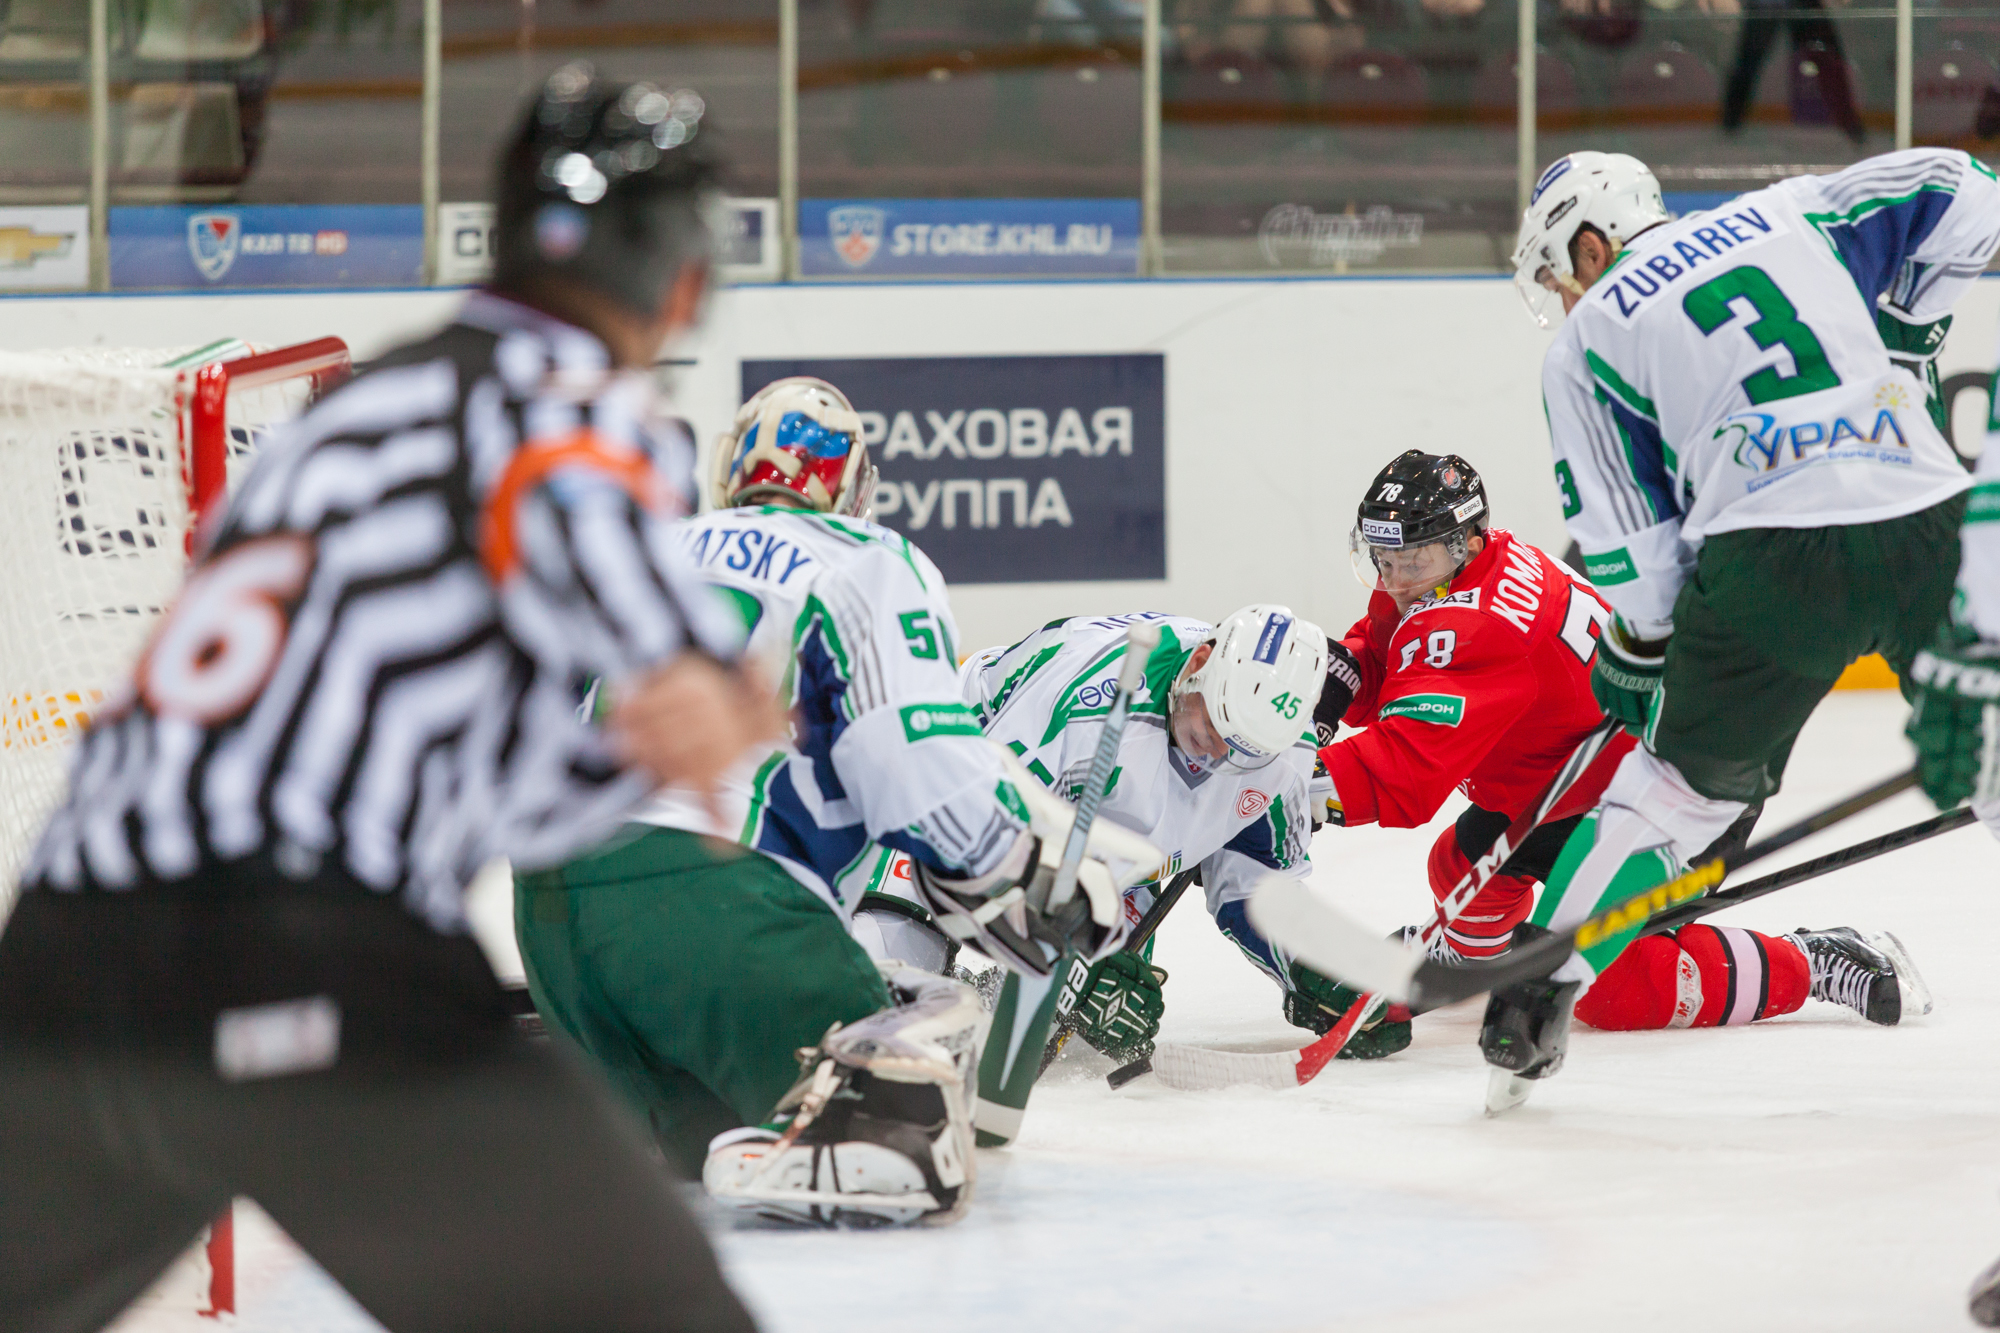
point(1947, 88)
point(942, 116)
point(1495, 88)
point(1090, 112)
point(1375, 82)
point(1667, 76)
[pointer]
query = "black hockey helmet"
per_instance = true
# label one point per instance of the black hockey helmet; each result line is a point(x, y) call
point(608, 185)
point(1417, 500)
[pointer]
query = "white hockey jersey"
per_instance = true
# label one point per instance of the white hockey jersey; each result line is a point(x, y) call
point(851, 619)
point(1727, 372)
point(1046, 698)
point(1979, 558)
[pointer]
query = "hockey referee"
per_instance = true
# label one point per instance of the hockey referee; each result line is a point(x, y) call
point(240, 963)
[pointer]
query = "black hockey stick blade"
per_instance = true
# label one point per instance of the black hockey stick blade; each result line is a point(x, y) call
point(1947, 822)
point(1331, 941)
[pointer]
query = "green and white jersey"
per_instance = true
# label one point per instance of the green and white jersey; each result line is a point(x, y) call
point(1979, 559)
point(851, 619)
point(1046, 699)
point(1727, 372)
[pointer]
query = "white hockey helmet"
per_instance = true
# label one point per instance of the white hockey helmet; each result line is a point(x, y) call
point(1612, 192)
point(797, 439)
point(1253, 698)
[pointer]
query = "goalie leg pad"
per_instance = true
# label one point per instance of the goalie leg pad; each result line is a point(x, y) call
point(879, 1130)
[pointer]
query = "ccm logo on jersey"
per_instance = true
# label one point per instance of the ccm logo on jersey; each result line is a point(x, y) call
point(1627, 293)
point(1251, 803)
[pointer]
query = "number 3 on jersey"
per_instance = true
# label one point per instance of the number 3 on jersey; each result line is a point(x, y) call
point(220, 642)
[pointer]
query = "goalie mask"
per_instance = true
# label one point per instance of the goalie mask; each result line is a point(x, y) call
point(796, 442)
point(1414, 529)
point(1252, 698)
point(1612, 192)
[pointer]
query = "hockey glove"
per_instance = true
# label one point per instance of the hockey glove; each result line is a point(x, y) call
point(1121, 1007)
point(1316, 1003)
point(1955, 721)
point(1626, 676)
point(1343, 682)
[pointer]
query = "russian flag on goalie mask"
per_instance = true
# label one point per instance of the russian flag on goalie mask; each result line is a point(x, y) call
point(1271, 638)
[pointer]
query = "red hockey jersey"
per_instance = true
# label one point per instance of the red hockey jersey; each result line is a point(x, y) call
point(1485, 687)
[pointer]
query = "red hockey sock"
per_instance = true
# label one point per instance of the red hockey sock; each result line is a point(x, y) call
point(1698, 976)
point(1486, 926)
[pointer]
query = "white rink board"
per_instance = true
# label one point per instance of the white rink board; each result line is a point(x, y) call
point(1283, 397)
point(1810, 1173)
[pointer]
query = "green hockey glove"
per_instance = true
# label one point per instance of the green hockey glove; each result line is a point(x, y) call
point(1626, 675)
point(1316, 1003)
point(1121, 1006)
point(1955, 720)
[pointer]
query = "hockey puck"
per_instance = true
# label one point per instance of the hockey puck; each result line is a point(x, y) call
point(1124, 1074)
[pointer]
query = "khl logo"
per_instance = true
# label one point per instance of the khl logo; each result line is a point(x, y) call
point(856, 233)
point(212, 241)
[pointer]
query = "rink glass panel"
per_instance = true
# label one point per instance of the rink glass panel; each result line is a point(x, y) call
point(497, 52)
point(1355, 136)
point(215, 101)
point(1717, 97)
point(969, 99)
point(1955, 79)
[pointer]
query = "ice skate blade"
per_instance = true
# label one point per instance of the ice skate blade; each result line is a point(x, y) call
point(1916, 995)
point(1505, 1090)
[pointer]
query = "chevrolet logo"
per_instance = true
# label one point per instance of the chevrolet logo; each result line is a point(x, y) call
point(20, 247)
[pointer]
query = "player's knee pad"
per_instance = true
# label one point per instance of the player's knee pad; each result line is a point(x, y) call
point(1486, 926)
point(878, 1131)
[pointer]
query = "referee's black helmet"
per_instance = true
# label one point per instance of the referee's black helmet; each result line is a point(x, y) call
point(610, 185)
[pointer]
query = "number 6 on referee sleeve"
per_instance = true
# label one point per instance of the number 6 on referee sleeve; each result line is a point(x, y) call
point(221, 640)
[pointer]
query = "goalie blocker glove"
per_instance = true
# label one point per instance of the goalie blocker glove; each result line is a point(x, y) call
point(1001, 913)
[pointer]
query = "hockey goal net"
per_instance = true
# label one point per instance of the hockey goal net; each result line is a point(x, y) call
point(108, 459)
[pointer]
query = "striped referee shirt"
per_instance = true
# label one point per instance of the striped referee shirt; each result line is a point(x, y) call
point(372, 672)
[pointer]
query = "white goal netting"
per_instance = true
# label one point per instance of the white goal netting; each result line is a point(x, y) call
point(94, 522)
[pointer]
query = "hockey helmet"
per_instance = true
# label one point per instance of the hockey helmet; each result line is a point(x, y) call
point(1414, 525)
point(797, 439)
point(609, 185)
point(1613, 192)
point(1253, 698)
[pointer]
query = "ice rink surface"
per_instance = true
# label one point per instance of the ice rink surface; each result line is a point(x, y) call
point(1812, 1172)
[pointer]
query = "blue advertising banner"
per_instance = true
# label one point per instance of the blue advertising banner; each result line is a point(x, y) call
point(268, 245)
point(1013, 469)
point(967, 237)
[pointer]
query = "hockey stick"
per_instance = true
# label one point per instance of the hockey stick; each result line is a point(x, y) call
point(1675, 918)
point(1140, 640)
point(1150, 922)
point(1330, 940)
point(1199, 1067)
point(1028, 1008)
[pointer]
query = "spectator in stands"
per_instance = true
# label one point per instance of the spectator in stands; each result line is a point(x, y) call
point(1813, 37)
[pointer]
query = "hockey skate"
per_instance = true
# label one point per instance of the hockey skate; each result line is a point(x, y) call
point(1524, 1038)
point(878, 1132)
point(1871, 974)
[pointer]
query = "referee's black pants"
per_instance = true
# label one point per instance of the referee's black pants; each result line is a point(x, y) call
point(450, 1173)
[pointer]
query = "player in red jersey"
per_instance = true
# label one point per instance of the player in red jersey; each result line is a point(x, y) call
point(1471, 670)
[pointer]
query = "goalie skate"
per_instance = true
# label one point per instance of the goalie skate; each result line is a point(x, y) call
point(879, 1131)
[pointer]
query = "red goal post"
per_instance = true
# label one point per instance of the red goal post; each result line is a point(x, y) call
point(108, 460)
